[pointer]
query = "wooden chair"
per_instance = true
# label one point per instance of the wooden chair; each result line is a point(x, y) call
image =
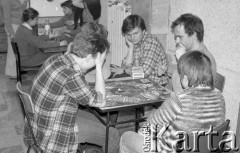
point(220, 82)
point(27, 107)
point(21, 70)
point(203, 140)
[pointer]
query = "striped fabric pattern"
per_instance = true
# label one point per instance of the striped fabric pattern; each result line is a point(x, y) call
point(195, 109)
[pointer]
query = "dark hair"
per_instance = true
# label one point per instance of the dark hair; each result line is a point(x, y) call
point(95, 27)
point(28, 14)
point(89, 42)
point(68, 4)
point(191, 23)
point(131, 22)
point(94, 7)
point(197, 67)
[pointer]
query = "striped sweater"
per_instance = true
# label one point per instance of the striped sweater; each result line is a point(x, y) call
point(191, 110)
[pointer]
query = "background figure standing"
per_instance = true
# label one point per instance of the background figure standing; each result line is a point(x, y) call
point(12, 13)
point(85, 11)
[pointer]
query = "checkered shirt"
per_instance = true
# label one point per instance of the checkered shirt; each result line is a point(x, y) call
point(57, 90)
point(150, 54)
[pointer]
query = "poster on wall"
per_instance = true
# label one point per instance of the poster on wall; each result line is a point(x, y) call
point(47, 8)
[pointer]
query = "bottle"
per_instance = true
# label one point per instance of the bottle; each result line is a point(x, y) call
point(47, 27)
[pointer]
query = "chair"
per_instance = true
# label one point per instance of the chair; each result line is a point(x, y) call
point(203, 140)
point(27, 107)
point(220, 82)
point(21, 70)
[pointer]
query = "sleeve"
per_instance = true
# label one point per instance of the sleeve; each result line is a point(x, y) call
point(6, 6)
point(37, 41)
point(59, 23)
point(165, 114)
point(151, 50)
point(80, 91)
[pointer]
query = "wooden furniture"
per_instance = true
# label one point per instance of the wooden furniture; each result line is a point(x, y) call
point(21, 70)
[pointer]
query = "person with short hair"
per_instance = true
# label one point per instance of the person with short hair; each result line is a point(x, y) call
point(60, 87)
point(144, 50)
point(196, 108)
point(68, 18)
point(29, 43)
point(188, 31)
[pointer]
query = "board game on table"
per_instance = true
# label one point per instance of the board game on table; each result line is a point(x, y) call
point(133, 92)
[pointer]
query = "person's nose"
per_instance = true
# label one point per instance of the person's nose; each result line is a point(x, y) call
point(177, 40)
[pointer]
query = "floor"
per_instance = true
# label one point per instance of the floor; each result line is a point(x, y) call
point(11, 119)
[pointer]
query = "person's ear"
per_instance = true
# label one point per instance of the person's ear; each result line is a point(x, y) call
point(185, 81)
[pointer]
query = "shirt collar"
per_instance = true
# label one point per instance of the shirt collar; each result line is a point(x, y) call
point(74, 64)
point(27, 26)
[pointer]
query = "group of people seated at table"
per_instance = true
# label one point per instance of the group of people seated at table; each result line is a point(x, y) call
point(60, 87)
point(77, 12)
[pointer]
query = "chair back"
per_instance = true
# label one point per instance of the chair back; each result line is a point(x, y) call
point(27, 107)
point(25, 99)
point(17, 56)
point(203, 141)
point(219, 82)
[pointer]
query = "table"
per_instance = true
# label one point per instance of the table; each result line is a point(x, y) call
point(128, 93)
point(59, 49)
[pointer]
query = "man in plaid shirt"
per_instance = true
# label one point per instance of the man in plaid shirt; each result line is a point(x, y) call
point(57, 90)
point(144, 50)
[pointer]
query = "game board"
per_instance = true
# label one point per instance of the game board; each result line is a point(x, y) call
point(133, 91)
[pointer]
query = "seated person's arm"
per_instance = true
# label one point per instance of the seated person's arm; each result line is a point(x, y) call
point(128, 59)
point(80, 91)
point(37, 41)
point(100, 83)
point(165, 114)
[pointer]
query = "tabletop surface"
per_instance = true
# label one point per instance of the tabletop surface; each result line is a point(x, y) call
point(58, 49)
point(132, 93)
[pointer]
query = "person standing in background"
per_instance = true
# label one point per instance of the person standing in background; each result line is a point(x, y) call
point(12, 14)
point(85, 11)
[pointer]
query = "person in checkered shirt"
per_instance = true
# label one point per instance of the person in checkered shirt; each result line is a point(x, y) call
point(57, 90)
point(144, 50)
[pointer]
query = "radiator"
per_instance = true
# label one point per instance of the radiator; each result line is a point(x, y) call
point(118, 48)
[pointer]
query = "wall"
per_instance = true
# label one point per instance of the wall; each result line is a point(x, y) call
point(222, 37)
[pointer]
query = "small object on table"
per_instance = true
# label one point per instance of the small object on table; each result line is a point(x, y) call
point(137, 72)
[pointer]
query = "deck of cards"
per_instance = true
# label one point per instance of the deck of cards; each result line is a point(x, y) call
point(137, 72)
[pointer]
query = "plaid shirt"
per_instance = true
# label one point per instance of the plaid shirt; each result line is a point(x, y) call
point(150, 54)
point(57, 90)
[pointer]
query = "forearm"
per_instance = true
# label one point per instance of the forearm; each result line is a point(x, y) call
point(100, 84)
point(128, 60)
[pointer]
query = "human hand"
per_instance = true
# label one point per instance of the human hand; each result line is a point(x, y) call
point(117, 71)
point(180, 51)
point(100, 59)
point(161, 70)
point(129, 43)
point(63, 43)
